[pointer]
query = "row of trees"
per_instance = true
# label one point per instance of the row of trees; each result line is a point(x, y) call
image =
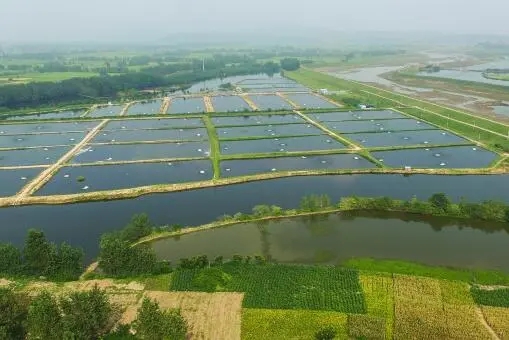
point(82, 315)
point(41, 258)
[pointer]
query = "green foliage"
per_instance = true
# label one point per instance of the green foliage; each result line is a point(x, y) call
point(290, 64)
point(139, 226)
point(366, 327)
point(122, 332)
point(313, 203)
point(37, 253)
point(87, 315)
point(13, 314)
point(80, 179)
point(284, 286)
point(10, 259)
point(440, 201)
point(326, 333)
point(211, 279)
point(153, 324)
point(44, 318)
point(496, 297)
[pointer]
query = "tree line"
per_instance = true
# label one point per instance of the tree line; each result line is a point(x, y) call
point(83, 315)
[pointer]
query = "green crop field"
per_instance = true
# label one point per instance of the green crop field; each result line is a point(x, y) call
point(491, 297)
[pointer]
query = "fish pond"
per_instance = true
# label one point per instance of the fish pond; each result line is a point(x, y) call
point(134, 152)
point(14, 129)
point(307, 100)
point(13, 180)
point(46, 115)
point(447, 157)
point(264, 165)
point(336, 238)
point(355, 115)
point(150, 135)
point(71, 180)
point(186, 105)
point(106, 111)
point(147, 124)
point(280, 145)
point(22, 141)
point(424, 137)
point(378, 125)
point(32, 156)
point(268, 131)
point(152, 107)
point(270, 102)
point(229, 104)
point(257, 120)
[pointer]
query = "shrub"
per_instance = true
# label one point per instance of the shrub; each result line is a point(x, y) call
point(326, 333)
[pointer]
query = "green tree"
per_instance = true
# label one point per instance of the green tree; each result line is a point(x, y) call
point(44, 318)
point(153, 324)
point(13, 315)
point(87, 315)
point(261, 210)
point(138, 227)
point(69, 262)
point(10, 259)
point(327, 333)
point(290, 64)
point(36, 253)
point(440, 201)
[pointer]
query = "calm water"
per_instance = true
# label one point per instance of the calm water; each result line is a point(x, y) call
point(465, 75)
point(48, 115)
point(186, 105)
point(501, 110)
point(106, 111)
point(422, 137)
point(355, 115)
point(83, 223)
point(266, 102)
point(257, 120)
point(377, 125)
point(148, 108)
point(13, 180)
point(35, 156)
point(21, 141)
point(229, 104)
point(160, 123)
point(268, 131)
point(336, 238)
point(13, 129)
point(150, 135)
point(307, 100)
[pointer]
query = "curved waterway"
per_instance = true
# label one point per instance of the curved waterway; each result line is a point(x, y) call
point(83, 223)
point(335, 238)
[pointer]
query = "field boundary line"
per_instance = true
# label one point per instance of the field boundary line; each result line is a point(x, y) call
point(483, 321)
point(332, 101)
point(329, 132)
point(285, 98)
point(209, 108)
point(46, 175)
point(87, 112)
point(123, 112)
point(165, 106)
point(249, 102)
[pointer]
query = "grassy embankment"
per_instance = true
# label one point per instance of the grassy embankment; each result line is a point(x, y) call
point(497, 76)
point(492, 133)
point(215, 149)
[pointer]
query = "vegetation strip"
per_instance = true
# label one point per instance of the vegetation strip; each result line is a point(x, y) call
point(215, 148)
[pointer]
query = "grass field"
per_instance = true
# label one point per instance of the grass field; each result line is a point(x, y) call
point(43, 77)
point(497, 76)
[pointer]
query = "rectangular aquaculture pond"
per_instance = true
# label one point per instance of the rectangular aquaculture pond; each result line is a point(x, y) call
point(119, 136)
point(270, 102)
point(22, 141)
point(372, 125)
point(133, 152)
point(46, 115)
point(71, 180)
point(425, 137)
point(268, 131)
point(106, 111)
point(442, 157)
point(257, 120)
point(152, 107)
point(186, 105)
point(355, 115)
point(159, 123)
point(229, 104)
point(274, 89)
point(35, 156)
point(13, 180)
point(14, 129)
point(263, 165)
point(308, 100)
point(280, 145)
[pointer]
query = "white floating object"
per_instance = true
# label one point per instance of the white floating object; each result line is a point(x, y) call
point(381, 128)
point(443, 133)
point(170, 164)
point(24, 178)
point(113, 140)
point(200, 150)
point(475, 149)
point(66, 176)
point(45, 149)
point(269, 130)
point(442, 164)
point(437, 155)
point(389, 132)
point(272, 134)
point(309, 126)
point(372, 120)
point(426, 142)
point(282, 144)
point(72, 139)
point(303, 157)
point(85, 187)
point(198, 134)
point(418, 122)
point(323, 162)
point(202, 171)
point(47, 158)
point(1, 132)
point(426, 149)
point(109, 159)
point(104, 134)
point(228, 169)
point(224, 132)
point(356, 157)
point(276, 138)
point(281, 150)
point(273, 169)
point(181, 130)
point(381, 160)
point(179, 143)
point(406, 138)
point(123, 127)
point(20, 139)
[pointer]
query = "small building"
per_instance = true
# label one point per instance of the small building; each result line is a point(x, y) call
point(408, 168)
point(324, 91)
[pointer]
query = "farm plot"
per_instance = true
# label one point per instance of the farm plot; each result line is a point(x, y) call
point(46, 115)
point(264, 165)
point(23, 141)
point(495, 297)
point(257, 120)
point(13, 180)
point(498, 319)
point(447, 157)
point(106, 111)
point(149, 124)
point(33, 156)
point(355, 115)
point(229, 104)
point(310, 101)
point(405, 138)
point(186, 105)
point(275, 286)
point(269, 102)
point(14, 129)
point(145, 108)
point(310, 143)
point(70, 180)
point(135, 152)
point(268, 131)
point(378, 125)
point(209, 316)
point(122, 136)
point(379, 296)
point(290, 324)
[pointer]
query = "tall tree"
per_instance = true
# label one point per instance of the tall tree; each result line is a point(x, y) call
point(10, 259)
point(153, 324)
point(37, 253)
point(13, 314)
point(44, 318)
point(440, 201)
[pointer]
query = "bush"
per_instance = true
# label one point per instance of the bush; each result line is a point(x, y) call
point(13, 314)
point(211, 280)
point(327, 333)
point(153, 324)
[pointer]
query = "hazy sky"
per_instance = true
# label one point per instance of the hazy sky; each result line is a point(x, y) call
point(74, 20)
